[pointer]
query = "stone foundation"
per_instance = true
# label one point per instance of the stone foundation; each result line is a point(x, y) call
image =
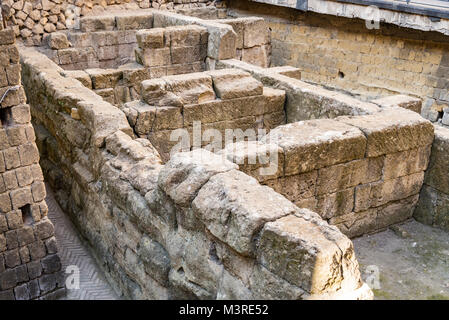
point(195, 227)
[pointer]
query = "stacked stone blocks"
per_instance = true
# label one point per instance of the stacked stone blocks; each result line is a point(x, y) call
point(29, 265)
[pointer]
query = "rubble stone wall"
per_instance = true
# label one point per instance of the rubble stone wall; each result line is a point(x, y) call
point(434, 197)
point(30, 267)
point(222, 100)
point(193, 228)
point(342, 53)
point(34, 20)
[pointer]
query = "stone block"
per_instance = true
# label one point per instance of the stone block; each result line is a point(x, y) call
point(402, 101)
point(28, 154)
point(104, 78)
point(406, 162)
point(92, 24)
point(21, 197)
point(256, 32)
point(34, 269)
point(191, 88)
point(436, 175)
point(303, 242)
point(341, 176)
point(186, 36)
point(233, 83)
point(392, 130)
point(395, 212)
point(314, 144)
point(151, 39)
point(335, 204)
point(58, 40)
point(378, 193)
point(134, 21)
point(81, 76)
point(154, 57)
point(287, 71)
point(21, 114)
point(258, 160)
point(187, 55)
point(186, 173)
point(51, 264)
point(233, 207)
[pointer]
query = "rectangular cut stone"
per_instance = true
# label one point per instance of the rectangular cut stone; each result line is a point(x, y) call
point(345, 175)
point(303, 242)
point(406, 162)
point(287, 71)
point(153, 38)
point(186, 36)
point(335, 204)
point(378, 193)
point(104, 78)
point(242, 208)
point(402, 101)
point(355, 224)
point(436, 175)
point(395, 212)
point(233, 83)
point(92, 24)
point(296, 188)
point(392, 130)
point(258, 160)
point(134, 21)
point(314, 144)
point(191, 88)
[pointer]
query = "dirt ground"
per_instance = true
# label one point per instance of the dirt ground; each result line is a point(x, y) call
point(407, 261)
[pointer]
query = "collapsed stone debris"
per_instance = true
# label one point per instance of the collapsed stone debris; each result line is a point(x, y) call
point(275, 176)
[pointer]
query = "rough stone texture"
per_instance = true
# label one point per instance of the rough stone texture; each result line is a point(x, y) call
point(23, 218)
point(432, 207)
point(360, 173)
point(218, 100)
point(189, 229)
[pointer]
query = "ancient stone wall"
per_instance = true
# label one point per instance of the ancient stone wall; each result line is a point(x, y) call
point(434, 197)
point(210, 104)
point(34, 20)
point(359, 173)
point(29, 264)
point(342, 53)
point(194, 228)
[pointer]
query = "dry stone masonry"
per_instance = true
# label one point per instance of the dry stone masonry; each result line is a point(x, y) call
point(29, 264)
point(275, 177)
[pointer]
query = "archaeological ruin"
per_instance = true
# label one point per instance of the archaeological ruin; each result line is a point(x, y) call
point(217, 149)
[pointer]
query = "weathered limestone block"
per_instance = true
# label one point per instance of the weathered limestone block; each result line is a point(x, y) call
point(187, 172)
point(186, 36)
point(341, 176)
point(392, 130)
point(287, 71)
point(231, 84)
point(191, 88)
point(381, 192)
point(104, 78)
point(304, 101)
point(313, 144)
point(395, 212)
point(432, 208)
point(355, 224)
point(302, 241)
point(335, 204)
point(402, 101)
point(299, 189)
point(58, 40)
point(436, 175)
point(242, 208)
point(152, 38)
point(406, 162)
point(155, 259)
point(81, 76)
point(258, 160)
point(134, 21)
point(92, 24)
point(222, 38)
point(258, 55)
